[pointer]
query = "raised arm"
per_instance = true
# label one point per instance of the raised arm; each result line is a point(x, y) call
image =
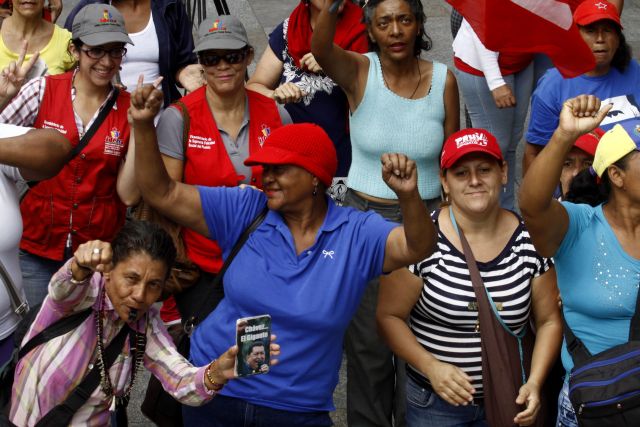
point(451, 106)
point(177, 201)
point(415, 240)
point(545, 217)
point(348, 69)
point(14, 75)
point(398, 293)
point(38, 154)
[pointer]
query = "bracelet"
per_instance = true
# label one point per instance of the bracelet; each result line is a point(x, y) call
point(84, 279)
point(79, 282)
point(216, 387)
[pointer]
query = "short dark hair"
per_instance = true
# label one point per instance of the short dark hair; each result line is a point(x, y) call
point(423, 41)
point(254, 345)
point(143, 237)
point(586, 188)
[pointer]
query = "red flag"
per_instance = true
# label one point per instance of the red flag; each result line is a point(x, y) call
point(540, 26)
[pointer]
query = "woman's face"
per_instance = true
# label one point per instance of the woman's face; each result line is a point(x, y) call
point(603, 40)
point(287, 187)
point(225, 69)
point(394, 29)
point(28, 8)
point(576, 161)
point(135, 283)
point(474, 182)
point(99, 64)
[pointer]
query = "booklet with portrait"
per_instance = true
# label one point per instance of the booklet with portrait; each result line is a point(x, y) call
point(253, 337)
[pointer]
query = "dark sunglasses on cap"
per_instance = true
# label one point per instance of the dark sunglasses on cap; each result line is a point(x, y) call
point(210, 59)
point(98, 52)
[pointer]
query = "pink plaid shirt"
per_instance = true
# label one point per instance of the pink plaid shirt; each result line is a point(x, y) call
point(46, 375)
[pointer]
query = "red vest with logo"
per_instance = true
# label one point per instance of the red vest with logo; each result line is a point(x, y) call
point(81, 200)
point(207, 161)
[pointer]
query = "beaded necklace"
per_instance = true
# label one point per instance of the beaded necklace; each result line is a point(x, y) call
point(137, 347)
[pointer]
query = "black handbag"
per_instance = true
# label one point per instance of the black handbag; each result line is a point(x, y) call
point(194, 305)
point(605, 388)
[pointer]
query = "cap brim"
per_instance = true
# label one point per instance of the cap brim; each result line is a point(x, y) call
point(98, 39)
point(461, 153)
point(219, 44)
point(588, 20)
point(270, 156)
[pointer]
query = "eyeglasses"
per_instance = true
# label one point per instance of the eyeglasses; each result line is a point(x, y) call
point(98, 52)
point(210, 59)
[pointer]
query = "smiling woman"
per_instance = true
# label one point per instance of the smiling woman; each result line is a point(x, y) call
point(92, 189)
point(430, 318)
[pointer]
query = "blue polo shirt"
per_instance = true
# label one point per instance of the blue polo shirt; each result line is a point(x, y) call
point(311, 297)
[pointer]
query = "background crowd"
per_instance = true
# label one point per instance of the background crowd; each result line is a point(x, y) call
point(372, 219)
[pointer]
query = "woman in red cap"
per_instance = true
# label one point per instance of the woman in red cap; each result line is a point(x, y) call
point(442, 342)
point(307, 264)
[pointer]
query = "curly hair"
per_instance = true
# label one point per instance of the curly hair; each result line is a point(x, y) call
point(422, 42)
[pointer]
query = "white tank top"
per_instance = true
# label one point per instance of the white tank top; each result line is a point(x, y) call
point(142, 57)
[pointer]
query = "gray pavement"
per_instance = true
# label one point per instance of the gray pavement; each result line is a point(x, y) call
point(260, 17)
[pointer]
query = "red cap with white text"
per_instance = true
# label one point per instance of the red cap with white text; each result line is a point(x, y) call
point(467, 141)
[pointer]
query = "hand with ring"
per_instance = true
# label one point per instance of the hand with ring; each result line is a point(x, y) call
point(91, 256)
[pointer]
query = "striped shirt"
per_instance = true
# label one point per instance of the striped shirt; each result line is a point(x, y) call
point(46, 375)
point(444, 318)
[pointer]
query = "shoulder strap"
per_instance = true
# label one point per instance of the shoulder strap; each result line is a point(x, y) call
point(95, 125)
point(63, 413)
point(56, 329)
point(634, 330)
point(21, 308)
point(202, 311)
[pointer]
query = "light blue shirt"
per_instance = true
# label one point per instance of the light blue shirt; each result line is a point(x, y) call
point(311, 297)
point(598, 281)
point(385, 122)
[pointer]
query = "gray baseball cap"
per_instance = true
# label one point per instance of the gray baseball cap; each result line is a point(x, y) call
point(98, 24)
point(221, 32)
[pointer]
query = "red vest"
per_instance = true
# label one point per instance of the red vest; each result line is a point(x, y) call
point(207, 162)
point(81, 200)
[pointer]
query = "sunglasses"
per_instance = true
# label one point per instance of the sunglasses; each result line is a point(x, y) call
point(210, 59)
point(98, 52)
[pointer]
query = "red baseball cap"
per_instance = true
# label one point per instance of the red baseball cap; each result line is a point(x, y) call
point(303, 144)
point(465, 141)
point(591, 11)
point(589, 141)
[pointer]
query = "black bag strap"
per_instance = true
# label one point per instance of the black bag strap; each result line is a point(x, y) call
point(95, 125)
point(202, 310)
point(21, 308)
point(56, 329)
point(62, 414)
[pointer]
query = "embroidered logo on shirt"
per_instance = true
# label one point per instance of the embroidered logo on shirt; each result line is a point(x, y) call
point(51, 125)
point(265, 131)
point(476, 138)
point(327, 253)
point(113, 145)
point(201, 142)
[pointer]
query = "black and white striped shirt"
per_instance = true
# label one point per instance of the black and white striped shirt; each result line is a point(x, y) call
point(444, 318)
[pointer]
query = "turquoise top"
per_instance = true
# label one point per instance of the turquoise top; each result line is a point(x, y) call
point(598, 281)
point(385, 122)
